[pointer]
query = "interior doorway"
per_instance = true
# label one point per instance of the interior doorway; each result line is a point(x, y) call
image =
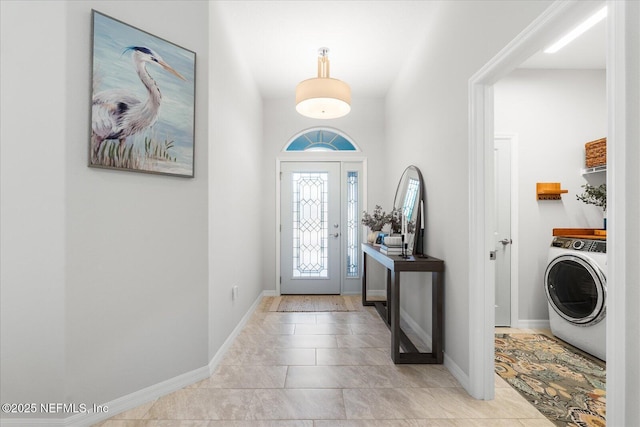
point(553, 23)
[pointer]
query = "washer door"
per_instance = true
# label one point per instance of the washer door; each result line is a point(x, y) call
point(576, 289)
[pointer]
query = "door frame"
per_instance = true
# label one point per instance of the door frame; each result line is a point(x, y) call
point(512, 139)
point(312, 157)
point(543, 30)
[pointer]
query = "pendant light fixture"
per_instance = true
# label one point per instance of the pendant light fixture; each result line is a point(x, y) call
point(323, 97)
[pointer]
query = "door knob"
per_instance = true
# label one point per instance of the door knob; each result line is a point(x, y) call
point(506, 242)
point(336, 235)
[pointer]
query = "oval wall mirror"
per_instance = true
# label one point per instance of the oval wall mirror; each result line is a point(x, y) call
point(408, 200)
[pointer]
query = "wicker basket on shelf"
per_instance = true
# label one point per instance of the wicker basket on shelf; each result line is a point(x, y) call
point(596, 153)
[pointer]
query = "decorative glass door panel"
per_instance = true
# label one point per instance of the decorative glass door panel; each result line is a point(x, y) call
point(353, 225)
point(310, 228)
point(310, 191)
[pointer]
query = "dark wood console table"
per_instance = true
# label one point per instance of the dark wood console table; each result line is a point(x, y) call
point(390, 310)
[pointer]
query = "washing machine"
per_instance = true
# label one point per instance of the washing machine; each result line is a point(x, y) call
point(575, 282)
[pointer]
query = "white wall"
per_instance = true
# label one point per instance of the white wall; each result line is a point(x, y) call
point(236, 185)
point(106, 281)
point(427, 125)
point(33, 211)
point(113, 281)
point(553, 113)
point(136, 292)
point(364, 125)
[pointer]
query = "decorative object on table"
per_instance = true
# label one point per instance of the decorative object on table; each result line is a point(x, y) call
point(376, 222)
point(595, 153)
point(404, 228)
point(408, 203)
point(392, 245)
point(380, 238)
point(565, 385)
point(393, 241)
point(420, 238)
point(595, 196)
point(391, 250)
point(143, 101)
point(405, 245)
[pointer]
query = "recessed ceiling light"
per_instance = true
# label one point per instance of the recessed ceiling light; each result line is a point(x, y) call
point(576, 32)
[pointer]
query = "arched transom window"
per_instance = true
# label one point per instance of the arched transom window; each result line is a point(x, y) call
point(321, 139)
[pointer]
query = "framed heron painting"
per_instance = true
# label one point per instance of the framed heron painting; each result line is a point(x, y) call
point(142, 101)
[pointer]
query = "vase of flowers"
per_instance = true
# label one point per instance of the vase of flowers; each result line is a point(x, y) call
point(375, 222)
point(595, 196)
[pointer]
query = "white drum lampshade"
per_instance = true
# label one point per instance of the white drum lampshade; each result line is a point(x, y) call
point(323, 97)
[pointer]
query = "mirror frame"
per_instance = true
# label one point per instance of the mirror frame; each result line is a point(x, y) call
point(417, 245)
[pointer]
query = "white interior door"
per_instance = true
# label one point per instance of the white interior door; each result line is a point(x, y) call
point(310, 228)
point(502, 151)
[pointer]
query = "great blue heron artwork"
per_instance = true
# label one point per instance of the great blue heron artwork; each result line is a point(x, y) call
point(142, 104)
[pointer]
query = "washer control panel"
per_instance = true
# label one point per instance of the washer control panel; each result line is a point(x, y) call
point(584, 245)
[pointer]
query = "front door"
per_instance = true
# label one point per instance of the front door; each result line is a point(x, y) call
point(310, 228)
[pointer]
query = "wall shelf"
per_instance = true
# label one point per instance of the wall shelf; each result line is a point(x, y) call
point(549, 191)
point(595, 169)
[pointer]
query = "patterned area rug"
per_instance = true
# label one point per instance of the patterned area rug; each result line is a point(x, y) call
point(308, 303)
point(568, 388)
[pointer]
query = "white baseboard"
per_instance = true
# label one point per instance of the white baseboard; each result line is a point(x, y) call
point(457, 373)
point(269, 293)
point(118, 405)
point(215, 361)
point(140, 397)
point(377, 292)
point(415, 327)
point(453, 367)
point(533, 324)
point(145, 395)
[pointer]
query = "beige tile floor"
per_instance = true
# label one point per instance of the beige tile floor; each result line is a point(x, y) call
point(326, 370)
